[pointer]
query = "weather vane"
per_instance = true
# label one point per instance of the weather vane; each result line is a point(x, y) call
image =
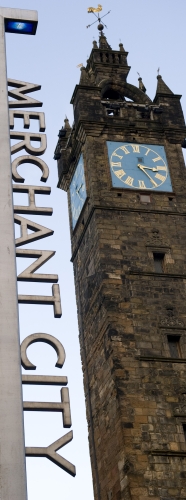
point(93, 10)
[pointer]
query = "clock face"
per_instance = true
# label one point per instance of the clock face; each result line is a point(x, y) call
point(77, 191)
point(139, 166)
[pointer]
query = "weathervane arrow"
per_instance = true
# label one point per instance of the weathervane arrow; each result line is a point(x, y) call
point(94, 10)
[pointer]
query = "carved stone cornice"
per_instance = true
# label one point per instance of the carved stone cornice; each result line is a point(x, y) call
point(171, 323)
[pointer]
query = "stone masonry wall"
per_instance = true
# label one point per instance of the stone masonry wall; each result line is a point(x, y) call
point(129, 311)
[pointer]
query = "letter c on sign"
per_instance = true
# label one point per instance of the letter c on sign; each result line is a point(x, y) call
point(29, 159)
point(48, 339)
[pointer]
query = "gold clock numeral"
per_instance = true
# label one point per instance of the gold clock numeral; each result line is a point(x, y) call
point(115, 154)
point(160, 177)
point(136, 148)
point(116, 164)
point(142, 185)
point(157, 159)
point(120, 173)
point(161, 168)
point(125, 150)
point(129, 181)
point(147, 152)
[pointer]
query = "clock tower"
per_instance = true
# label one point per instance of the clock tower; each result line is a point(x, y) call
point(122, 166)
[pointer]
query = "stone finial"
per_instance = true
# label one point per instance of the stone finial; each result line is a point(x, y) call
point(121, 48)
point(95, 45)
point(67, 124)
point(103, 44)
point(141, 85)
point(84, 76)
point(162, 88)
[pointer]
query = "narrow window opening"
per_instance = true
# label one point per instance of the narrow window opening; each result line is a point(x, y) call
point(174, 347)
point(119, 194)
point(158, 262)
point(184, 430)
point(115, 112)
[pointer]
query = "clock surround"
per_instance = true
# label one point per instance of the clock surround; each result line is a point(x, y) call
point(139, 166)
point(78, 193)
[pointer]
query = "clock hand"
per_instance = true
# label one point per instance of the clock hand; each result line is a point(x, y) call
point(79, 195)
point(79, 188)
point(141, 168)
point(149, 168)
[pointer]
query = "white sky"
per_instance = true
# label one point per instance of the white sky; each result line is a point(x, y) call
point(153, 31)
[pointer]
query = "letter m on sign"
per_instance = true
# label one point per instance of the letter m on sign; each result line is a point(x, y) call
point(18, 93)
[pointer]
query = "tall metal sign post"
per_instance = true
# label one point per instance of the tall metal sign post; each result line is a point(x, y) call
point(12, 450)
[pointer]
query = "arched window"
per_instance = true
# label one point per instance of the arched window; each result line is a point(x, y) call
point(112, 95)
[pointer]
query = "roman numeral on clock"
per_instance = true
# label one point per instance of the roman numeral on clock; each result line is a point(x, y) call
point(160, 177)
point(116, 154)
point(119, 173)
point(161, 168)
point(157, 159)
point(142, 185)
point(116, 164)
point(125, 150)
point(136, 148)
point(129, 181)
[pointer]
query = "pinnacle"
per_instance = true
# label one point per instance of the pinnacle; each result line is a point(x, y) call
point(103, 44)
point(95, 45)
point(141, 85)
point(162, 88)
point(67, 125)
point(121, 48)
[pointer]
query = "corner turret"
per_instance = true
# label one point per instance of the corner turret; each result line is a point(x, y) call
point(63, 146)
point(162, 88)
point(172, 114)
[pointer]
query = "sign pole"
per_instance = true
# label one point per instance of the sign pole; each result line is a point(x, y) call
point(12, 447)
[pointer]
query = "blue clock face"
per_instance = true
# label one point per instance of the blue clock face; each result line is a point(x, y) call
point(139, 166)
point(77, 192)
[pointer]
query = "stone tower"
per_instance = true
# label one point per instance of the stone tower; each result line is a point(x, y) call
point(122, 166)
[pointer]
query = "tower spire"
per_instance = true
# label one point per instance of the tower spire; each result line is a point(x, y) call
point(141, 84)
point(162, 88)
